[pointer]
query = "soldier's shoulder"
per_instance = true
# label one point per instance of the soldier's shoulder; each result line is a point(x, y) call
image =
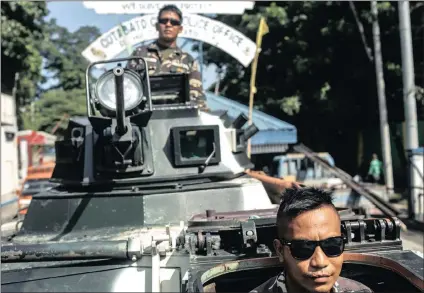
point(143, 49)
point(349, 285)
point(140, 50)
point(187, 57)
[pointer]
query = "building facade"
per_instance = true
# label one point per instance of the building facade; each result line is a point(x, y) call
point(9, 158)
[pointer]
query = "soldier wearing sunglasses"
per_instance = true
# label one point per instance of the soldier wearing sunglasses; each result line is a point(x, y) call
point(164, 56)
point(309, 245)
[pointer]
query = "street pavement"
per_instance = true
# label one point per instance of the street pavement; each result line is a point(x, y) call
point(412, 240)
point(7, 229)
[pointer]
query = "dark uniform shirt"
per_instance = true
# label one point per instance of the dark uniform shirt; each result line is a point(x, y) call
point(172, 60)
point(278, 285)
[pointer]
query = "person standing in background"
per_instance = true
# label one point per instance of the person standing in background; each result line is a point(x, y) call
point(375, 169)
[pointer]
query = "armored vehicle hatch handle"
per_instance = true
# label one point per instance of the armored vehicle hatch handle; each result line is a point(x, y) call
point(203, 166)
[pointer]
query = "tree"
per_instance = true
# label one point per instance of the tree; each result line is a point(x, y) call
point(63, 56)
point(27, 41)
point(313, 70)
point(52, 105)
point(22, 29)
point(63, 62)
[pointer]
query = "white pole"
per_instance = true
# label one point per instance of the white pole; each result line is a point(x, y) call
point(384, 126)
point(410, 107)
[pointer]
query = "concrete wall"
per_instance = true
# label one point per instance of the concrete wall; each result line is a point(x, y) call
point(9, 157)
point(8, 110)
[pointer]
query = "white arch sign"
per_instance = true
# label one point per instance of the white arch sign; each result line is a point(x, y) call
point(142, 28)
point(147, 7)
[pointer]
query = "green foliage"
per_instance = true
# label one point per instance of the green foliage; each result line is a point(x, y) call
point(50, 108)
point(64, 62)
point(314, 71)
point(26, 40)
point(21, 34)
point(63, 54)
point(313, 62)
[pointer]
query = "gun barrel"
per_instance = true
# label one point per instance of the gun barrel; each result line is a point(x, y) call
point(120, 105)
point(65, 251)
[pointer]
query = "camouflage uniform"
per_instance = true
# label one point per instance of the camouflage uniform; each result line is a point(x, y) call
point(278, 285)
point(176, 61)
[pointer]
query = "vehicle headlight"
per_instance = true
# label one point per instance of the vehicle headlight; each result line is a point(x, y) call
point(105, 90)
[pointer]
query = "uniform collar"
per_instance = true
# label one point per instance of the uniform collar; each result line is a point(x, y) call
point(280, 282)
point(154, 47)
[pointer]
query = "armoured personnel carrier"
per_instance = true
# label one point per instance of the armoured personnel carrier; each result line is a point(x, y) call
point(153, 197)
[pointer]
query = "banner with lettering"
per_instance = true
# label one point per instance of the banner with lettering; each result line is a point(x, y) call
point(151, 7)
point(196, 27)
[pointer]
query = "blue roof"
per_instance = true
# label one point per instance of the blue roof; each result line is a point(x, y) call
point(272, 131)
point(418, 151)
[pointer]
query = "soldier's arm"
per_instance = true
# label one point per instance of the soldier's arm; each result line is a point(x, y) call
point(196, 87)
point(279, 183)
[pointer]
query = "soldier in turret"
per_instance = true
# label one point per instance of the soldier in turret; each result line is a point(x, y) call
point(164, 56)
point(310, 246)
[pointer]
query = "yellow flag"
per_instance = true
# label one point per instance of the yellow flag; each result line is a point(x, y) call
point(263, 30)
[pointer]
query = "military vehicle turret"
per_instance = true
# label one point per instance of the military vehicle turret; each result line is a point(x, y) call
point(153, 197)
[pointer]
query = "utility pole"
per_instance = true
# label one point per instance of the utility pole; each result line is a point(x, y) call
point(17, 103)
point(218, 81)
point(384, 126)
point(15, 86)
point(410, 107)
point(201, 61)
point(32, 111)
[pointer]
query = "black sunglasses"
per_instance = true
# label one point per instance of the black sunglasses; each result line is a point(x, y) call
point(304, 249)
point(173, 22)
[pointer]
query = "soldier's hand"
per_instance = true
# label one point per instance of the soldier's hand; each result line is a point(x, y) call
point(296, 185)
point(248, 171)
